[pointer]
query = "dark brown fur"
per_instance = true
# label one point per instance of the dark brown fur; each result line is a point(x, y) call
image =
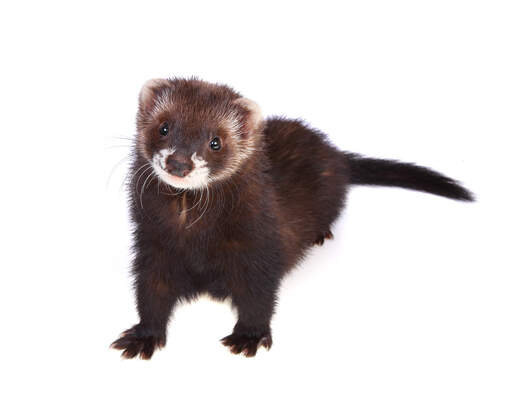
point(242, 236)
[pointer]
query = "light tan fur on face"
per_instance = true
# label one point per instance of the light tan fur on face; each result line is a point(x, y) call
point(150, 105)
point(245, 136)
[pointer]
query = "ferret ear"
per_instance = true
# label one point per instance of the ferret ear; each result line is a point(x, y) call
point(253, 117)
point(150, 92)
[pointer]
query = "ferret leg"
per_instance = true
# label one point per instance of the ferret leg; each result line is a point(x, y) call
point(155, 301)
point(255, 308)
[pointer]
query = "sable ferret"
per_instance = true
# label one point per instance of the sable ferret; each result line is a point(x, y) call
point(225, 202)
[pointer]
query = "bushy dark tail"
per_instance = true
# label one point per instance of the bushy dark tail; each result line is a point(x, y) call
point(368, 171)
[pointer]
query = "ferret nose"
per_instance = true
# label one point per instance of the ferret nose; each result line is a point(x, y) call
point(178, 165)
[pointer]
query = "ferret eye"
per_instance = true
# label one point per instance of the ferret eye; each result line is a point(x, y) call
point(164, 129)
point(215, 144)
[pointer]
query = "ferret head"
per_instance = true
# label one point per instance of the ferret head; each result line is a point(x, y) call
point(195, 133)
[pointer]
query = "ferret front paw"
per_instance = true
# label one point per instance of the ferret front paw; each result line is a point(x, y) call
point(139, 341)
point(247, 342)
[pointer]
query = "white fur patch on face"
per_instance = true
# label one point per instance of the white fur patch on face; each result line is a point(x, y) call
point(162, 155)
point(197, 178)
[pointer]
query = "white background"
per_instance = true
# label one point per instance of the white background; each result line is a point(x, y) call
point(412, 298)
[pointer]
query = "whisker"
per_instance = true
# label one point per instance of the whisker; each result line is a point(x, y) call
point(193, 206)
point(140, 176)
point(114, 168)
point(125, 138)
point(202, 206)
point(132, 175)
point(178, 191)
point(118, 146)
point(152, 173)
point(205, 209)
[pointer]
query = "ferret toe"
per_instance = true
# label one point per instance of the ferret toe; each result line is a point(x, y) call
point(322, 237)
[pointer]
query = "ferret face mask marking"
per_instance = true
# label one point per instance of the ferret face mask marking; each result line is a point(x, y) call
point(194, 134)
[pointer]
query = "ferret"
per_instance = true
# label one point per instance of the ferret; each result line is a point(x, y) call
point(226, 202)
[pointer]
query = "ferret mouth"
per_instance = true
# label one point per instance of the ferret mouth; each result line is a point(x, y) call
point(198, 178)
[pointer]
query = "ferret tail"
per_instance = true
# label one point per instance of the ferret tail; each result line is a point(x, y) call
point(369, 171)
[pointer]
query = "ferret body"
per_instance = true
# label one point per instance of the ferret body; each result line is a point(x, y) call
point(226, 203)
